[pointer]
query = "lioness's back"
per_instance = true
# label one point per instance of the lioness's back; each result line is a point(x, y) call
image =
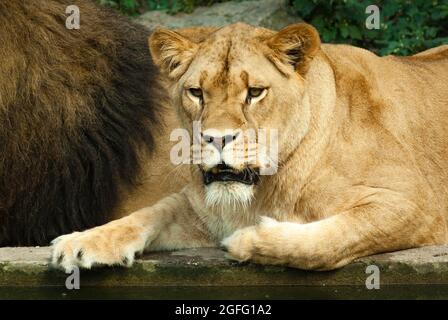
point(407, 97)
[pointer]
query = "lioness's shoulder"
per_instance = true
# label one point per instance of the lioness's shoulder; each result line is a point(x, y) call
point(340, 53)
point(440, 51)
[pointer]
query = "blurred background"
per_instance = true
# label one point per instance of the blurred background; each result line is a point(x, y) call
point(406, 26)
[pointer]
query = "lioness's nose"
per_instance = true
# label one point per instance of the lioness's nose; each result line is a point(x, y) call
point(219, 142)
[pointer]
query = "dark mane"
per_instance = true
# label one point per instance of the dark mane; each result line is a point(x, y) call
point(76, 108)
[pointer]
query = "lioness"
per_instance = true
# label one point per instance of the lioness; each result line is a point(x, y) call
point(362, 152)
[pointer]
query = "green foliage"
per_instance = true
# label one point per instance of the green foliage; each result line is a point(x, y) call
point(134, 7)
point(406, 26)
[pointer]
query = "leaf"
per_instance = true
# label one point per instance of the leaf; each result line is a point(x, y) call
point(355, 33)
point(344, 31)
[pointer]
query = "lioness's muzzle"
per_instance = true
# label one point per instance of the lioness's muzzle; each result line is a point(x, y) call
point(223, 172)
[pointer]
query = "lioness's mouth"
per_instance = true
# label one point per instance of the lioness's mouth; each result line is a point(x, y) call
point(223, 172)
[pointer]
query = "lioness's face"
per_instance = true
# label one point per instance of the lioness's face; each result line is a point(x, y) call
point(242, 89)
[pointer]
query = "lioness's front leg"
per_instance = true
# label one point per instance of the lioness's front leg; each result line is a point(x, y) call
point(169, 224)
point(385, 222)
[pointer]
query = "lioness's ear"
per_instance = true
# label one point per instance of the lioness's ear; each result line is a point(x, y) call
point(296, 44)
point(171, 52)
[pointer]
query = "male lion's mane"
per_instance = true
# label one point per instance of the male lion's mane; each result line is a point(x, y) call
point(75, 111)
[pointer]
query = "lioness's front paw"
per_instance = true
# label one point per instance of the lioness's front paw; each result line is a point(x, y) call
point(248, 243)
point(108, 245)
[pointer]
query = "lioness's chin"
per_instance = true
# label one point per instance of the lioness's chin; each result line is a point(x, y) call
point(228, 194)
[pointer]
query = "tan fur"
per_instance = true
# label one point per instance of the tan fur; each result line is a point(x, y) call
point(363, 158)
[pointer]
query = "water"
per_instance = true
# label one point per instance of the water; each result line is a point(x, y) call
point(229, 293)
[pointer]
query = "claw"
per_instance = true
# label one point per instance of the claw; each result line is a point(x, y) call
point(60, 258)
point(125, 261)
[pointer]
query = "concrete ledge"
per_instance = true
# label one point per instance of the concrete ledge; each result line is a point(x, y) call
point(28, 267)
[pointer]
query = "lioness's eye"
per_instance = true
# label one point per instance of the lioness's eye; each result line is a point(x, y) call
point(255, 92)
point(196, 92)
